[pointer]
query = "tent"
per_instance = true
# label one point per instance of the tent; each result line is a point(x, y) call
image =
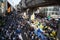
point(14, 3)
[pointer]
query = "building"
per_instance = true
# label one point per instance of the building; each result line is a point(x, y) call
point(3, 6)
point(53, 11)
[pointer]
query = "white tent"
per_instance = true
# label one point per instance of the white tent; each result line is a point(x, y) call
point(14, 3)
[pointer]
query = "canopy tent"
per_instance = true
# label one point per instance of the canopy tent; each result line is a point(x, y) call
point(14, 3)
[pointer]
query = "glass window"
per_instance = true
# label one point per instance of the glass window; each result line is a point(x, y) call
point(50, 9)
point(56, 13)
point(46, 9)
point(56, 9)
point(52, 13)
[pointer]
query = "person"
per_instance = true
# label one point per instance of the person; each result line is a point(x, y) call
point(58, 32)
point(18, 31)
point(20, 36)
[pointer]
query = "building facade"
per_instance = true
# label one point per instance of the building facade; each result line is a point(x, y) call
point(3, 6)
point(53, 11)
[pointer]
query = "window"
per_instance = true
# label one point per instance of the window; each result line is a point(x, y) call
point(56, 13)
point(46, 9)
point(52, 13)
point(50, 9)
point(56, 9)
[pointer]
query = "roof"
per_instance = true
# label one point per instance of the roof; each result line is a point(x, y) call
point(40, 3)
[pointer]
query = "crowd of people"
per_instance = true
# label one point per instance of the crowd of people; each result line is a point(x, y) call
point(17, 28)
point(47, 28)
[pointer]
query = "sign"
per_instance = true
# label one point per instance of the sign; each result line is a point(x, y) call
point(33, 16)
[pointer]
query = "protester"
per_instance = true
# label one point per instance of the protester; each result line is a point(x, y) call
point(17, 28)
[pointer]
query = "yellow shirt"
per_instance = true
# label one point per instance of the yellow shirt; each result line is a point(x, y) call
point(41, 26)
point(32, 16)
